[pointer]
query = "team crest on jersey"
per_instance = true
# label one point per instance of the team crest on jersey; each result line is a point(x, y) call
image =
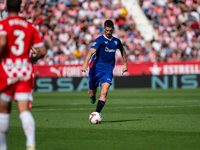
point(106, 42)
point(94, 44)
point(116, 42)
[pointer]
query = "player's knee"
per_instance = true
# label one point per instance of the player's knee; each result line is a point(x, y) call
point(4, 110)
point(104, 93)
point(22, 106)
point(5, 107)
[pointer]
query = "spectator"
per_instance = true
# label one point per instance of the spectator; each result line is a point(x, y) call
point(69, 27)
point(178, 28)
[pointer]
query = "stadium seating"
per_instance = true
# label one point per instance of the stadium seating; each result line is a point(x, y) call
point(68, 28)
point(178, 24)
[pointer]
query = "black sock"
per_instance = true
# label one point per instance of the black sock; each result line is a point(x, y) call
point(100, 105)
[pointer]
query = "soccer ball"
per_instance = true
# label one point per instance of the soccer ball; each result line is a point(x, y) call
point(95, 118)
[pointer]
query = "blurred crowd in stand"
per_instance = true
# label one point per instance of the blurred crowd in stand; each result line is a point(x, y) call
point(178, 26)
point(68, 28)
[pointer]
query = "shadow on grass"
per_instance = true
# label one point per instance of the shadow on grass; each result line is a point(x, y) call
point(114, 121)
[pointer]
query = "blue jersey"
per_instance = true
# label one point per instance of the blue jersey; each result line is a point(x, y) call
point(104, 58)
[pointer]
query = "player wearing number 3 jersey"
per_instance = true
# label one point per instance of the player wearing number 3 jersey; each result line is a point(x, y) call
point(16, 38)
point(15, 61)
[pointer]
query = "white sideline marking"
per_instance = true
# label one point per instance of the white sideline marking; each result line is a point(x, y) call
point(139, 107)
point(145, 102)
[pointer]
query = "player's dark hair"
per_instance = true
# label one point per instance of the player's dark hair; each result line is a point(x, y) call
point(13, 5)
point(108, 23)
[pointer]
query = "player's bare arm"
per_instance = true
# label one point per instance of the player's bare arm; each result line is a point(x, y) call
point(40, 53)
point(87, 59)
point(3, 41)
point(125, 67)
point(34, 50)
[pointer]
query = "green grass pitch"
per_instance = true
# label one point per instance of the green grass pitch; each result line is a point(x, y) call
point(133, 119)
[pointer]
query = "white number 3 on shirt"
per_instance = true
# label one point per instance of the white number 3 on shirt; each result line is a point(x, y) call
point(19, 41)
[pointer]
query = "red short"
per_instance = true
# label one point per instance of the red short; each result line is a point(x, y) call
point(19, 87)
point(21, 90)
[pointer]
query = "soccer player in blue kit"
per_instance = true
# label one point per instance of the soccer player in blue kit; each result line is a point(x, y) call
point(102, 56)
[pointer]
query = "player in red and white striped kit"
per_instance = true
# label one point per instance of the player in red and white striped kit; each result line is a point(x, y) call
point(16, 38)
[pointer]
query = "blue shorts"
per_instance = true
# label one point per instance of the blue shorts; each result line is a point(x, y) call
point(99, 77)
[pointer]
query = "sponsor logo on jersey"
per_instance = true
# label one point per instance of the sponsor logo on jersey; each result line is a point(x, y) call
point(109, 50)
